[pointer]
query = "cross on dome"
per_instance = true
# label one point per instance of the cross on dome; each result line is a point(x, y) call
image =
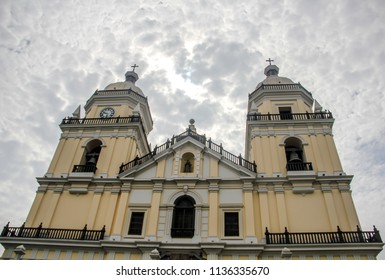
point(134, 66)
point(270, 60)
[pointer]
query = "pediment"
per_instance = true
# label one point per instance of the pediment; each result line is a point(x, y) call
point(173, 163)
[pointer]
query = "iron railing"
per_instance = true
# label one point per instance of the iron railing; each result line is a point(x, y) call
point(84, 168)
point(98, 121)
point(323, 237)
point(53, 233)
point(239, 160)
point(299, 166)
point(289, 116)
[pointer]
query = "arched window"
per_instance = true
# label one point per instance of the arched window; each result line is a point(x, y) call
point(183, 219)
point(187, 163)
point(90, 157)
point(295, 156)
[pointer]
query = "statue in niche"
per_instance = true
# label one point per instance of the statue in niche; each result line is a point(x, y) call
point(187, 167)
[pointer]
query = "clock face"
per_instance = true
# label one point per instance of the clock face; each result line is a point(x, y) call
point(107, 113)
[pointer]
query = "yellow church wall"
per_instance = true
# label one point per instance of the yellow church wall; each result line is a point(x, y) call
point(340, 211)
point(347, 212)
point(100, 218)
point(105, 156)
point(120, 224)
point(161, 169)
point(214, 167)
point(259, 231)
point(257, 154)
point(324, 153)
point(39, 217)
point(57, 155)
point(152, 222)
point(273, 213)
point(307, 213)
point(71, 152)
point(214, 224)
point(29, 222)
point(67, 155)
point(118, 153)
point(136, 256)
point(335, 159)
point(71, 211)
point(51, 255)
point(266, 156)
point(249, 224)
point(318, 163)
point(110, 212)
point(122, 109)
point(350, 209)
point(274, 154)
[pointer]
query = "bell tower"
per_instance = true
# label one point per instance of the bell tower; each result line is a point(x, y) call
point(90, 151)
point(287, 130)
point(289, 136)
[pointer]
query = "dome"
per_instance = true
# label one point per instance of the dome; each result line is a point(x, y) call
point(129, 83)
point(272, 78)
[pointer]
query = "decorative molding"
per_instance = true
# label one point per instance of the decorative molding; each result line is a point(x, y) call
point(289, 132)
point(303, 190)
point(78, 190)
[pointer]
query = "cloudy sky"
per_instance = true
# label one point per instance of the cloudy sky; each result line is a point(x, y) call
point(197, 59)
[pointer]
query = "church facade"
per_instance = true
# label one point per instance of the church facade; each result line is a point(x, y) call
point(108, 195)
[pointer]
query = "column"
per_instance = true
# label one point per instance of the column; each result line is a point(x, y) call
point(213, 210)
point(121, 210)
point(152, 223)
point(35, 207)
point(281, 207)
point(349, 206)
point(264, 206)
point(52, 206)
point(274, 155)
point(94, 207)
point(111, 209)
point(330, 206)
point(249, 212)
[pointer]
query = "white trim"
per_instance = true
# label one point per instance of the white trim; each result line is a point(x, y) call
point(172, 198)
point(92, 139)
point(131, 210)
point(233, 209)
point(283, 140)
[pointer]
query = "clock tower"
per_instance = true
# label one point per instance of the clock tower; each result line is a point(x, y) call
point(87, 159)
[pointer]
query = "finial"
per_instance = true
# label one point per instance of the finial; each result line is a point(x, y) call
point(134, 66)
point(132, 76)
point(269, 60)
point(192, 126)
point(271, 69)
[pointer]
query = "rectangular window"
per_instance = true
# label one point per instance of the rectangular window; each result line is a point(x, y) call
point(231, 224)
point(136, 223)
point(285, 113)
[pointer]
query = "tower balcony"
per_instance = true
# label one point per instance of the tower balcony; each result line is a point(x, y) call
point(290, 116)
point(100, 121)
